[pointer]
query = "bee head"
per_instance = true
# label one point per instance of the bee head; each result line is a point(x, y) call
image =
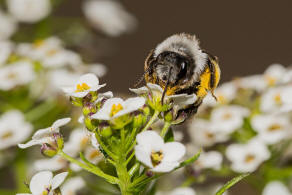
point(179, 67)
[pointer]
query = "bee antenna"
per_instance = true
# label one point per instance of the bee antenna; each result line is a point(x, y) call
point(165, 88)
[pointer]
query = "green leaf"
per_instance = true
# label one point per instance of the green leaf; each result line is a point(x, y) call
point(231, 183)
point(190, 160)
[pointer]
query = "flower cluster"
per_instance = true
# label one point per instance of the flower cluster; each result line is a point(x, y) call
point(250, 125)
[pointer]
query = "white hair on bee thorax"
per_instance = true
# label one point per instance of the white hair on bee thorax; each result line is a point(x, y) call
point(184, 44)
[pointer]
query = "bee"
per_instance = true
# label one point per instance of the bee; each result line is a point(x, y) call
point(179, 65)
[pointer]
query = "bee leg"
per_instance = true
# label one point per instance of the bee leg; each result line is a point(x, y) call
point(214, 96)
point(165, 88)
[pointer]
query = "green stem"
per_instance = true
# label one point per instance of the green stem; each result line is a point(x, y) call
point(112, 155)
point(40, 110)
point(165, 129)
point(94, 170)
point(20, 172)
point(152, 119)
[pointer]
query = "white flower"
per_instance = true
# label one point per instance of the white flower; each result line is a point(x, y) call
point(51, 164)
point(29, 11)
point(93, 155)
point(276, 187)
point(271, 128)
point(40, 48)
point(44, 182)
point(155, 91)
point(109, 17)
point(98, 69)
point(61, 57)
point(247, 157)
point(209, 160)
point(254, 82)
point(178, 191)
point(157, 155)
point(116, 107)
point(13, 129)
point(225, 92)
point(86, 83)
point(183, 191)
point(8, 26)
point(45, 135)
point(274, 74)
point(72, 186)
point(229, 118)
point(206, 133)
point(18, 73)
point(5, 51)
point(277, 99)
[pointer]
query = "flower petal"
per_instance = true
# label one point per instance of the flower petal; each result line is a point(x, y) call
point(40, 181)
point(58, 180)
point(143, 155)
point(61, 122)
point(173, 151)
point(150, 139)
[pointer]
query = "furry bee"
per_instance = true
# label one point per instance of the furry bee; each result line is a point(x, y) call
point(179, 65)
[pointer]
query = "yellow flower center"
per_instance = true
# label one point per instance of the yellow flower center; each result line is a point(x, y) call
point(227, 116)
point(52, 52)
point(47, 190)
point(7, 135)
point(38, 43)
point(156, 157)
point(84, 142)
point(82, 87)
point(94, 154)
point(115, 109)
point(275, 127)
point(278, 99)
point(221, 99)
point(270, 80)
point(249, 158)
point(210, 135)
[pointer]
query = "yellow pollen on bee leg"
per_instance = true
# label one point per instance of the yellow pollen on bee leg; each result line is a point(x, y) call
point(275, 127)
point(82, 87)
point(249, 158)
point(116, 108)
point(156, 157)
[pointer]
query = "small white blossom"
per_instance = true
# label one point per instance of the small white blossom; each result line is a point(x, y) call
point(18, 73)
point(29, 11)
point(277, 99)
point(13, 129)
point(254, 82)
point(51, 164)
point(72, 186)
point(45, 135)
point(98, 69)
point(276, 187)
point(272, 129)
point(157, 155)
point(229, 118)
point(209, 160)
point(44, 182)
point(274, 74)
point(116, 107)
point(247, 157)
point(179, 191)
point(5, 51)
point(206, 133)
point(86, 83)
point(8, 26)
point(109, 16)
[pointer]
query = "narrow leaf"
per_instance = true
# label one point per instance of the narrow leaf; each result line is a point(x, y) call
point(230, 183)
point(190, 160)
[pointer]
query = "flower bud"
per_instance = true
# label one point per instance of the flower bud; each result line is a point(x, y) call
point(89, 123)
point(106, 131)
point(146, 110)
point(139, 120)
point(168, 116)
point(88, 108)
point(76, 101)
point(59, 140)
point(94, 96)
point(48, 150)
